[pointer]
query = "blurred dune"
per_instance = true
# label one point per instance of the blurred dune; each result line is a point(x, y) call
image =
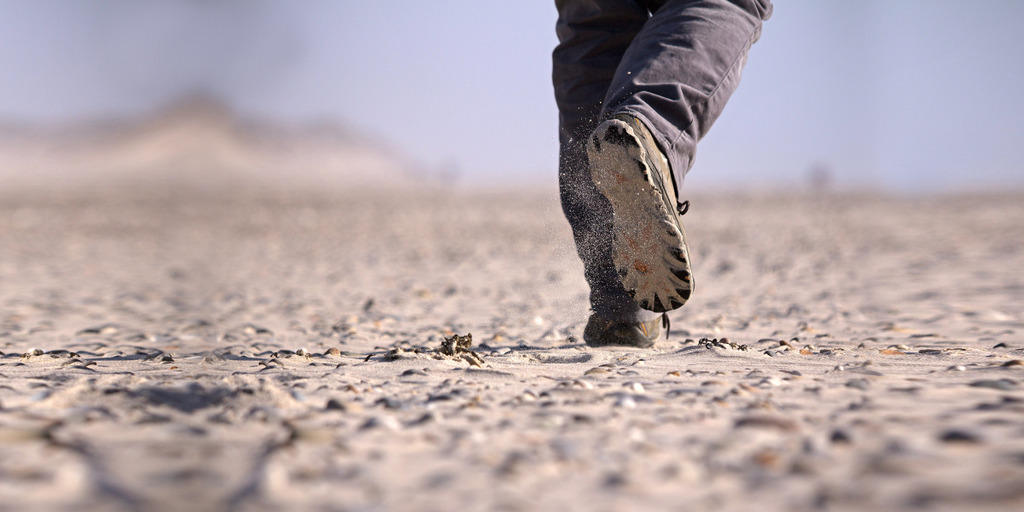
point(197, 141)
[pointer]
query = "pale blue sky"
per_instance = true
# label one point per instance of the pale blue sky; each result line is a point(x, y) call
point(909, 95)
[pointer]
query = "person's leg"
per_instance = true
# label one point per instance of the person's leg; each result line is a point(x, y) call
point(670, 86)
point(681, 69)
point(593, 37)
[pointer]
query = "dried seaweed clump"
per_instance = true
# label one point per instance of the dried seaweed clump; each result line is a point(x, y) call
point(710, 343)
point(458, 347)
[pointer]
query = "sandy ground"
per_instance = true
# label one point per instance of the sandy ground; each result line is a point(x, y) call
point(256, 350)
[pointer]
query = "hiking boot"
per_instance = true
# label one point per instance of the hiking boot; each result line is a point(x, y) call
point(649, 245)
point(601, 332)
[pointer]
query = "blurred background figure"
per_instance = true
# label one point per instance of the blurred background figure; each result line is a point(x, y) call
point(907, 96)
point(820, 177)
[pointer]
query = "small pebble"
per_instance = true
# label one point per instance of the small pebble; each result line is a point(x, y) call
point(427, 417)
point(615, 480)
point(381, 422)
point(252, 329)
point(767, 422)
point(337, 405)
point(392, 403)
point(626, 402)
point(211, 357)
point(32, 352)
point(861, 384)
point(78, 365)
point(582, 418)
point(1000, 384)
point(105, 329)
point(840, 437)
point(959, 436)
point(59, 353)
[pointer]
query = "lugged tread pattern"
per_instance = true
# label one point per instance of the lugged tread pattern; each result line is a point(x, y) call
point(649, 244)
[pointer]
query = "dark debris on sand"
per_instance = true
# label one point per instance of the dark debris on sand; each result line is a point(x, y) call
point(458, 347)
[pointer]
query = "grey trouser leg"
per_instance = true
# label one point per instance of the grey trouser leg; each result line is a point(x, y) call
point(673, 69)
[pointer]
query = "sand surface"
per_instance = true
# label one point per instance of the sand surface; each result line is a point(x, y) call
point(257, 350)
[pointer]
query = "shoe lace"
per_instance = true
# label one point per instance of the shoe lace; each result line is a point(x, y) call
point(683, 207)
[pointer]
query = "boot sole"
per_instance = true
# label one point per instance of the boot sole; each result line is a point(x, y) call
point(649, 244)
